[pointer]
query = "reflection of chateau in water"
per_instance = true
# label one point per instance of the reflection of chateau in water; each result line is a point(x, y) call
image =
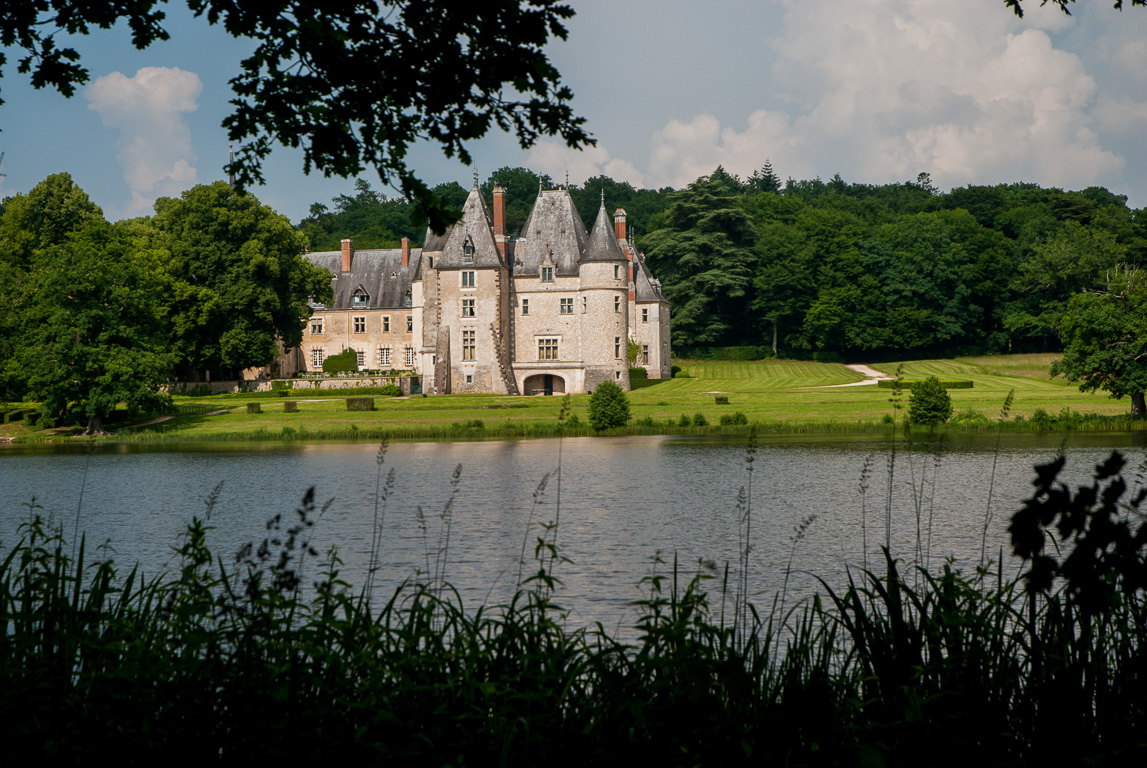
point(551, 310)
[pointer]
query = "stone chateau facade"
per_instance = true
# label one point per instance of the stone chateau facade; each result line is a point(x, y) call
point(475, 310)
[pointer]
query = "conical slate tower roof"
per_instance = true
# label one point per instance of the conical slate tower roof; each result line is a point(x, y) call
point(602, 244)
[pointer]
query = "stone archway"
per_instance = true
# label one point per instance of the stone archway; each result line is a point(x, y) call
point(544, 384)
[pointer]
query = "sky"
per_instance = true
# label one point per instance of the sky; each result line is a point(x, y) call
point(875, 90)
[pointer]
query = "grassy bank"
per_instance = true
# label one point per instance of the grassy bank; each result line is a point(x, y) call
point(777, 396)
point(273, 654)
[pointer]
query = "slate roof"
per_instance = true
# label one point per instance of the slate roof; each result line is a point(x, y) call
point(602, 244)
point(552, 229)
point(371, 270)
point(646, 288)
point(475, 226)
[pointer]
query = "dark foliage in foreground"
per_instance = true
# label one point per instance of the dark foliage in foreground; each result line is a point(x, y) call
point(235, 661)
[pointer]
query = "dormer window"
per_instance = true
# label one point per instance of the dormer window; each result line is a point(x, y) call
point(360, 298)
point(406, 300)
point(468, 251)
point(547, 274)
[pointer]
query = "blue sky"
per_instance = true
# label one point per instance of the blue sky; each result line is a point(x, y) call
point(876, 90)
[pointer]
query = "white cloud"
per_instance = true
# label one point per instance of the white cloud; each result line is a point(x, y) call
point(154, 145)
point(880, 90)
point(556, 159)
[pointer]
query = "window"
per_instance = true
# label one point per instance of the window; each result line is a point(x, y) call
point(317, 359)
point(617, 346)
point(408, 354)
point(316, 326)
point(566, 306)
point(469, 378)
point(468, 251)
point(616, 271)
point(645, 354)
point(360, 324)
point(616, 303)
point(410, 323)
point(384, 357)
point(467, 278)
point(407, 300)
point(468, 307)
point(547, 274)
point(360, 298)
point(361, 358)
point(468, 345)
point(645, 315)
point(386, 323)
point(525, 306)
point(547, 349)
point(583, 305)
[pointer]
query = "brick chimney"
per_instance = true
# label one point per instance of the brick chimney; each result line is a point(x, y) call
point(406, 251)
point(619, 223)
point(500, 219)
point(348, 253)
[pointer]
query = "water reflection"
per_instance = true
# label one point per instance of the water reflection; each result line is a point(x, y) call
point(622, 501)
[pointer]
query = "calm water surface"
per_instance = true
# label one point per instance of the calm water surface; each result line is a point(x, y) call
point(622, 501)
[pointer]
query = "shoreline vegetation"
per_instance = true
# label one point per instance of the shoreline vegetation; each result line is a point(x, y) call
point(1042, 664)
point(707, 398)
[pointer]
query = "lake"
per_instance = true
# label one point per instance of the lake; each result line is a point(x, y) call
point(623, 502)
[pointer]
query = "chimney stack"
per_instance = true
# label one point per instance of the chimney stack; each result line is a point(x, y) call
point(619, 224)
point(348, 253)
point(406, 251)
point(500, 219)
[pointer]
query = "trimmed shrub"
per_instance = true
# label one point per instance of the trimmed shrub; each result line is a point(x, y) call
point(254, 408)
point(734, 419)
point(929, 403)
point(290, 407)
point(608, 407)
point(389, 390)
point(722, 399)
point(360, 403)
point(344, 362)
point(638, 373)
point(674, 370)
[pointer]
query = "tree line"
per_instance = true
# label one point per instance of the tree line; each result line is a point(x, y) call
point(100, 314)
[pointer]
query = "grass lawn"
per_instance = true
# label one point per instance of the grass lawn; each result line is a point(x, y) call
point(776, 394)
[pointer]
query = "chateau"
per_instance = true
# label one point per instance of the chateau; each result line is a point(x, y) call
point(546, 312)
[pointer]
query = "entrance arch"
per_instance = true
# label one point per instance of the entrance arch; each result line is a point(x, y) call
point(544, 384)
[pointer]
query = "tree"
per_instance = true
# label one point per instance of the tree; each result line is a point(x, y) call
point(93, 337)
point(1015, 5)
point(1104, 335)
point(354, 83)
point(608, 407)
point(47, 215)
point(237, 283)
point(704, 256)
point(929, 403)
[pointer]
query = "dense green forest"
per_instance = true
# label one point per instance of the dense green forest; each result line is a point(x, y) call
point(830, 269)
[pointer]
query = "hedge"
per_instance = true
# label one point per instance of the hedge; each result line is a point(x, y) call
point(254, 408)
point(360, 403)
point(908, 383)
